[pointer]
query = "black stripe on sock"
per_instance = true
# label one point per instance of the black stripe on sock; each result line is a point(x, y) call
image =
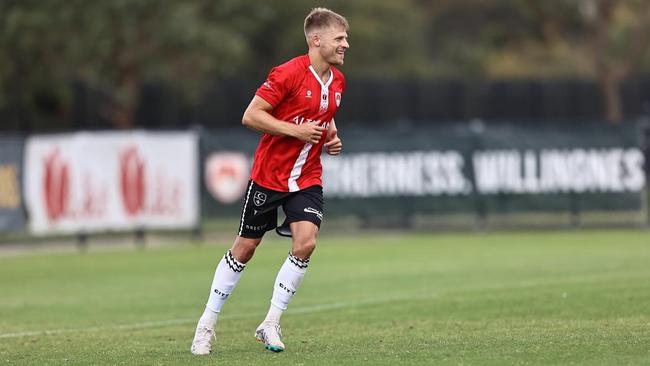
point(300, 263)
point(233, 263)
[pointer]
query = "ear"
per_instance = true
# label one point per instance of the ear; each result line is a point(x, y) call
point(315, 39)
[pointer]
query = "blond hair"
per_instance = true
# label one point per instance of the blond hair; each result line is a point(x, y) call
point(320, 18)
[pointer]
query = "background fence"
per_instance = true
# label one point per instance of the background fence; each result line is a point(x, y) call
point(367, 101)
point(442, 176)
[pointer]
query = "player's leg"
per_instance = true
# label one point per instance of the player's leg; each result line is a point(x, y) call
point(287, 283)
point(228, 272)
point(293, 269)
point(304, 214)
point(258, 216)
point(226, 276)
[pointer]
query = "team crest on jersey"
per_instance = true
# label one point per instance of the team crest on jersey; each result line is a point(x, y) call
point(259, 198)
point(324, 102)
point(308, 95)
point(337, 97)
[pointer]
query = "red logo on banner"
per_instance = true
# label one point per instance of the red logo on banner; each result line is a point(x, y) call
point(56, 185)
point(132, 181)
point(226, 175)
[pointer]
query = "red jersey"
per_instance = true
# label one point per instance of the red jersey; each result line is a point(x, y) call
point(298, 95)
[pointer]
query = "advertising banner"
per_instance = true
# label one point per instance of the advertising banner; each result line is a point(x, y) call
point(436, 173)
point(12, 215)
point(226, 161)
point(91, 182)
point(458, 168)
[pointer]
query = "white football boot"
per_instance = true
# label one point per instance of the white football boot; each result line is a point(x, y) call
point(203, 337)
point(271, 335)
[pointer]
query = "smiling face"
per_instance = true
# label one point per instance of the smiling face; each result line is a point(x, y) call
point(332, 42)
point(326, 33)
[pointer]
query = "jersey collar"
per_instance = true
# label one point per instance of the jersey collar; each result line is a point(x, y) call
point(329, 80)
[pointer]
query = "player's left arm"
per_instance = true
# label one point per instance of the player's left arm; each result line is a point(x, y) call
point(333, 144)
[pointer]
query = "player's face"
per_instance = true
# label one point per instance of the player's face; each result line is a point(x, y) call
point(334, 43)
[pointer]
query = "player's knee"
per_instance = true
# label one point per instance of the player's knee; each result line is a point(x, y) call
point(247, 252)
point(305, 248)
point(243, 249)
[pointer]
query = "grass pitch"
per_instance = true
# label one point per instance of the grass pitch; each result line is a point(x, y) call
point(544, 298)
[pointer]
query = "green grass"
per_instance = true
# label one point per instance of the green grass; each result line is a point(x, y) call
point(543, 298)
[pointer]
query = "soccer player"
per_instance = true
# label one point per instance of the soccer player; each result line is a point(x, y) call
point(294, 110)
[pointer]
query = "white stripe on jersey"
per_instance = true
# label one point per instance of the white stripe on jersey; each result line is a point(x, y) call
point(297, 168)
point(302, 157)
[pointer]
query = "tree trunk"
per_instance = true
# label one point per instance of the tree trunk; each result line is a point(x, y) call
point(611, 97)
point(126, 96)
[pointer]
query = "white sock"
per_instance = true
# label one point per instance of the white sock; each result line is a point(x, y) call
point(274, 314)
point(209, 318)
point(226, 277)
point(286, 283)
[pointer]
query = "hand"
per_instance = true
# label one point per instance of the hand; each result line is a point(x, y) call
point(309, 132)
point(334, 145)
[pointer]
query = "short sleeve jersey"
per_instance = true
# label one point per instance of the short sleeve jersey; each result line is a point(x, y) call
point(298, 95)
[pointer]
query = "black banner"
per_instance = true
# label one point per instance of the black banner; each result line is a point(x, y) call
point(459, 168)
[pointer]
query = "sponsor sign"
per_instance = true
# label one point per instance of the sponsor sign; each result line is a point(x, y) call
point(459, 168)
point(111, 181)
point(437, 173)
point(12, 217)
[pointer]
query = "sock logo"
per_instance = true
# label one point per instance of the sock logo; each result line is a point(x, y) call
point(285, 288)
point(223, 295)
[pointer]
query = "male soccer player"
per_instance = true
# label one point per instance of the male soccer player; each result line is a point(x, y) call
point(294, 110)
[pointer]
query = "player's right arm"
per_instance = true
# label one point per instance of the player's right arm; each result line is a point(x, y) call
point(258, 117)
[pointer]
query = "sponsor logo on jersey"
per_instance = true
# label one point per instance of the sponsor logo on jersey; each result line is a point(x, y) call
point(259, 198)
point(300, 120)
point(315, 212)
point(267, 84)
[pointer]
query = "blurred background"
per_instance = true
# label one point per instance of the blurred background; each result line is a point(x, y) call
point(125, 114)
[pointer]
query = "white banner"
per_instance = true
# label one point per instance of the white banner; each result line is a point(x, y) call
point(90, 182)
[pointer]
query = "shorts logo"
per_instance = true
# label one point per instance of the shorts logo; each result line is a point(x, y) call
point(315, 212)
point(259, 198)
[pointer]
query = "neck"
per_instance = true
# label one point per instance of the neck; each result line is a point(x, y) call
point(321, 66)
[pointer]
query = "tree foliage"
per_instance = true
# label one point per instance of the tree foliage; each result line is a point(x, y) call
point(116, 45)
